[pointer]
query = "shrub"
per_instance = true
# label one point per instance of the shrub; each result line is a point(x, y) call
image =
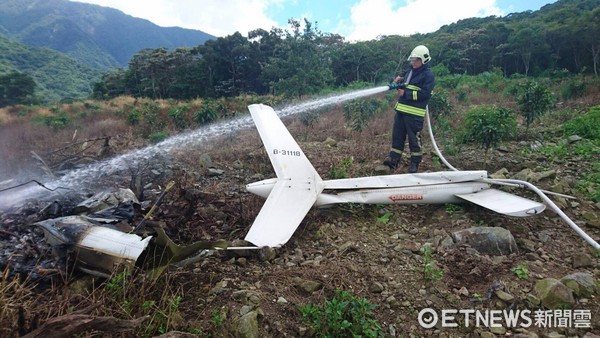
point(150, 112)
point(158, 137)
point(209, 112)
point(134, 117)
point(488, 126)
point(439, 104)
point(58, 120)
point(358, 113)
point(178, 115)
point(534, 101)
point(448, 81)
point(587, 125)
point(342, 316)
point(573, 89)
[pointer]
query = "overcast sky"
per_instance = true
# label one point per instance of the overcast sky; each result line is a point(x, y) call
point(353, 19)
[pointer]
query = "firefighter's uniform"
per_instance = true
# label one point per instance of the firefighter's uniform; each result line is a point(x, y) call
point(410, 112)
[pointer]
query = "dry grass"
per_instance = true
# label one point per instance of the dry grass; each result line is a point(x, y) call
point(15, 296)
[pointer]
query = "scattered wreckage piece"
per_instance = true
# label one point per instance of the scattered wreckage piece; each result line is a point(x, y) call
point(99, 244)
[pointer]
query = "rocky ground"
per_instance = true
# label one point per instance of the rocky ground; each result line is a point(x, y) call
point(373, 252)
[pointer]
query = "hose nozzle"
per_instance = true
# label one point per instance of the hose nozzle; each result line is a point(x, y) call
point(395, 85)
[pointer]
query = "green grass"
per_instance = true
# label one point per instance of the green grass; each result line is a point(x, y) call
point(343, 316)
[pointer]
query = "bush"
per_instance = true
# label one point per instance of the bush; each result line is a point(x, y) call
point(534, 100)
point(448, 81)
point(358, 113)
point(587, 125)
point(134, 117)
point(209, 112)
point(59, 120)
point(439, 104)
point(488, 126)
point(158, 137)
point(342, 316)
point(572, 89)
point(178, 115)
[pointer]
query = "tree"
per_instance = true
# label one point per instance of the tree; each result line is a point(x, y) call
point(16, 88)
point(488, 126)
point(301, 65)
point(534, 100)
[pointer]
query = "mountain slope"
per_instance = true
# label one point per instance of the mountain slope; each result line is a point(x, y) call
point(97, 36)
point(57, 76)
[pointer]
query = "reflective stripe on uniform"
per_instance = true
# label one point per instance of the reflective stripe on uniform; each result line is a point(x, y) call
point(418, 153)
point(415, 89)
point(394, 150)
point(410, 109)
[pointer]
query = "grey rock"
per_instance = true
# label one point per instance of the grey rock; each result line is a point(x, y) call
point(582, 260)
point(330, 142)
point(532, 176)
point(307, 286)
point(267, 254)
point(536, 145)
point(215, 172)
point(505, 296)
point(574, 138)
point(246, 326)
point(582, 284)
point(245, 309)
point(544, 236)
point(494, 241)
point(376, 287)
point(205, 161)
point(498, 330)
point(500, 174)
point(526, 244)
point(553, 294)
point(382, 169)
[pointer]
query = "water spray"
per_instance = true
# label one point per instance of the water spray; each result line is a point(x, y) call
point(81, 178)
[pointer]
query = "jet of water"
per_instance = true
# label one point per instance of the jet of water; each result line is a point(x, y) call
point(84, 177)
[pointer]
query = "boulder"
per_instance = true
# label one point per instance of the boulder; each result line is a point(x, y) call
point(553, 294)
point(246, 326)
point(582, 284)
point(493, 241)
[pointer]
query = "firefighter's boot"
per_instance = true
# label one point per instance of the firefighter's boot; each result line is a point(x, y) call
point(413, 167)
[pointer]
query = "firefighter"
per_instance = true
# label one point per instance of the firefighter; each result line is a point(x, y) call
point(414, 90)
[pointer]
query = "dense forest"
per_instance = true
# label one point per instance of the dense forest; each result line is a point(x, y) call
point(56, 75)
point(563, 37)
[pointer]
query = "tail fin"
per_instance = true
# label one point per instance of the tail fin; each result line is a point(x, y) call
point(285, 154)
point(298, 183)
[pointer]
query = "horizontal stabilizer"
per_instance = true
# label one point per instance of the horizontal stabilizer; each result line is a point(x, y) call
point(282, 213)
point(504, 203)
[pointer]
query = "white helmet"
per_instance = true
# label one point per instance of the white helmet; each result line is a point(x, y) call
point(420, 52)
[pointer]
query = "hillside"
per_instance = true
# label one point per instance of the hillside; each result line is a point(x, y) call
point(96, 36)
point(57, 75)
point(396, 260)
